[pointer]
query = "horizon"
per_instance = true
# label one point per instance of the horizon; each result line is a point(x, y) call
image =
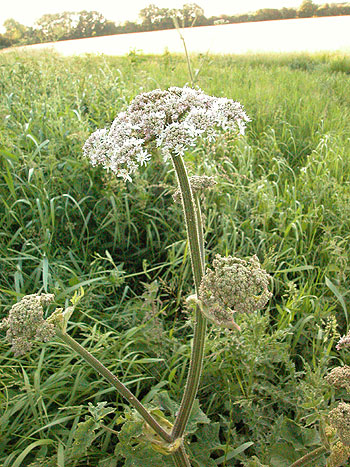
point(28, 13)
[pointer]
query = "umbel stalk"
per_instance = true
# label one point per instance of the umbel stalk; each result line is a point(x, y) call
point(194, 232)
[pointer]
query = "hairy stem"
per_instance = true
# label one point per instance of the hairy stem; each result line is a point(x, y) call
point(195, 239)
point(309, 458)
point(123, 390)
point(200, 228)
point(180, 458)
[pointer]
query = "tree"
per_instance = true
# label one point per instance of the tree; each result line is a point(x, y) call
point(288, 13)
point(72, 25)
point(153, 17)
point(15, 31)
point(190, 13)
point(4, 42)
point(307, 9)
point(267, 14)
point(90, 24)
point(57, 26)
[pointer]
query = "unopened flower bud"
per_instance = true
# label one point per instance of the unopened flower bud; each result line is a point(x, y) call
point(339, 455)
point(339, 377)
point(25, 323)
point(233, 286)
point(339, 418)
point(199, 183)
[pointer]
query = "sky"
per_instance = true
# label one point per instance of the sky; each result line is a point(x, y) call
point(28, 11)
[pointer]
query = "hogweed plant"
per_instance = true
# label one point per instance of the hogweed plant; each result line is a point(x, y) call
point(335, 426)
point(168, 122)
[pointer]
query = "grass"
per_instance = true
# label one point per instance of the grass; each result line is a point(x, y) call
point(283, 194)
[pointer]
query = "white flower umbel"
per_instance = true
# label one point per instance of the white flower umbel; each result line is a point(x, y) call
point(171, 120)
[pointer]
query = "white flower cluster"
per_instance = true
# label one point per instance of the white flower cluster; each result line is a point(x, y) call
point(171, 120)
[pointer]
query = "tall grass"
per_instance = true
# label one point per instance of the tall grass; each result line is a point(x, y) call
point(283, 194)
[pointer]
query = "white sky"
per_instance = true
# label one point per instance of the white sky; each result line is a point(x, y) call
point(28, 11)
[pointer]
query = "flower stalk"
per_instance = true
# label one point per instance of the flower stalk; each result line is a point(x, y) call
point(195, 238)
point(310, 458)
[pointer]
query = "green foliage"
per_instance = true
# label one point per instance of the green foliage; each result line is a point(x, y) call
point(85, 434)
point(134, 441)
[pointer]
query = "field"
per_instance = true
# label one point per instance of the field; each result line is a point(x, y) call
point(282, 193)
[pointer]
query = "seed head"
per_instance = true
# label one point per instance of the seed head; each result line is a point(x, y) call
point(339, 418)
point(233, 286)
point(171, 120)
point(25, 323)
point(339, 377)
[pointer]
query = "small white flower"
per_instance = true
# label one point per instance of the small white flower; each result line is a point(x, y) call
point(171, 119)
point(143, 157)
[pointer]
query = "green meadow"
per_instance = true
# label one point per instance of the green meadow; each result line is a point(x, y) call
point(282, 193)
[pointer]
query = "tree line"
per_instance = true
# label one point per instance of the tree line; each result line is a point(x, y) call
point(77, 25)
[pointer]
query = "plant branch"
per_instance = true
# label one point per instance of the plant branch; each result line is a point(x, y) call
point(121, 388)
point(180, 458)
point(310, 457)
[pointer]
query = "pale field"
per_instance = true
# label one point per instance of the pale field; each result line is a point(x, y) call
point(295, 35)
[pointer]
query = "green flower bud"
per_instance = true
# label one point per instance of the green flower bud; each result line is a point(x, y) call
point(25, 323)
point(233, 286)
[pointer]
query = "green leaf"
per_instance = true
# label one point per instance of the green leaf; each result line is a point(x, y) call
point(83, 438)
point(339, 296)
point(28, 449)
point(197, 416)
point(283, 455)
point(110, 462)
point(99, 411)
point(235, 452)
point(208, 441)
point(165, 403)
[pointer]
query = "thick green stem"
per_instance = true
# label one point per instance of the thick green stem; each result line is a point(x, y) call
point(195, 239)
point(123, 390)
point(180, 458)
point(309, 458)
point(200, 228)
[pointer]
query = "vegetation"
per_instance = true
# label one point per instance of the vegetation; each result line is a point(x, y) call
point(73, 25)
point(282, 193)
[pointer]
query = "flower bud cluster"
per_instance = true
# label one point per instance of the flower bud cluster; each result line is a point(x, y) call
point(171, 120)
point(339, 418)
point(339, 455)
point(339, 377)
point(25, 323)
point(199, 183)
point(233, 286)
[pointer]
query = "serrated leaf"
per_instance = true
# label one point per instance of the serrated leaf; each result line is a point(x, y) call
point(208, 441)
point(291, 432)
point(145, 456)
point(83, 438)
point(99, 411)
point(197, 416)
point(283, 454)
point(165, 403)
